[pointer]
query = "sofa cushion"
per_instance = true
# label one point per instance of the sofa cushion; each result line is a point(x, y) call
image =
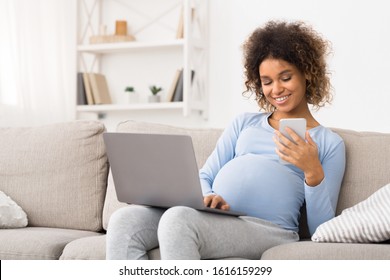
point(308, 250)
point(111, 203)
point(57, 173)
point(93, 248)
point(203, 139)
point(367, 166)
point(11, 214)
point(87, 248)
point(367, 221)
point(37, 243)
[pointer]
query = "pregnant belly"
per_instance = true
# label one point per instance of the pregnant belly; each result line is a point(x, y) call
point(260, 187)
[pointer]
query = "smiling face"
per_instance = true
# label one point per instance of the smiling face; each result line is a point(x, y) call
point(284, 86)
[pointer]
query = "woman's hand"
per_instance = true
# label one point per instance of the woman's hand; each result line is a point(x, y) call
point(216, 201)
point(303, 154)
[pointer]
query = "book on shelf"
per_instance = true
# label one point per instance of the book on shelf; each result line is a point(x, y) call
point(81, 97)
point(180, 26)
point(172, 88)
point(179, 89)
point(88, 90)
point(99, 88)
point(178, 93)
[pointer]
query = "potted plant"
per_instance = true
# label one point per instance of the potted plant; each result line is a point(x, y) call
point(132, 95)
point(154, 90)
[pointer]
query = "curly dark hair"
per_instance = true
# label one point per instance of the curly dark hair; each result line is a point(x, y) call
point(296, 43)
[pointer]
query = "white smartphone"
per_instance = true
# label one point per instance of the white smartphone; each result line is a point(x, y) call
point(296, 124)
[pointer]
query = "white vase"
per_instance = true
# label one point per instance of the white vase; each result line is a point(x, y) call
point(133, 97)
point(154, 98)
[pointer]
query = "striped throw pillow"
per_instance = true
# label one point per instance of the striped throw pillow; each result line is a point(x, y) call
point(366, 222)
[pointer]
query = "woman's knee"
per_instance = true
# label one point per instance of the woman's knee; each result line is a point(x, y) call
point(123, 214)
point(176, 220)
point(178, 213)
point(133, 215)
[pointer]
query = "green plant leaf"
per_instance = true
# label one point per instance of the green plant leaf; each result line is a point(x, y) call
point(154, 89)
point(129, 89)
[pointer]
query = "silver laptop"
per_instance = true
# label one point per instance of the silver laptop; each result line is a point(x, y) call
point(156, 170)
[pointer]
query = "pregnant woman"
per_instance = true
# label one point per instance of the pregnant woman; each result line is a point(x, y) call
point(285, 68)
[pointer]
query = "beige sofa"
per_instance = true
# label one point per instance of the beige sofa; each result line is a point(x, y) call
point(59, 175)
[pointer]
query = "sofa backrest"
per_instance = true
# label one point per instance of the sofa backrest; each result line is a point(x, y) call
point(56, 173)
point(367, 167)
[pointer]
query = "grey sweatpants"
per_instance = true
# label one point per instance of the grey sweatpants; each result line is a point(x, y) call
point(183, 233)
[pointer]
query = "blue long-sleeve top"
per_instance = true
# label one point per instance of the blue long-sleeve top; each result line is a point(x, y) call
point(245, 170)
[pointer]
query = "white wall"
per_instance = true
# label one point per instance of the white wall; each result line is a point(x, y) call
point(359, 31)
point(360, 35)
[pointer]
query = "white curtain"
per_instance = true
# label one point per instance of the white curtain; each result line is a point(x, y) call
point(37, 61)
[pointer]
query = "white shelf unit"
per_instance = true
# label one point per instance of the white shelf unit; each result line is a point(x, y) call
point(189, 53)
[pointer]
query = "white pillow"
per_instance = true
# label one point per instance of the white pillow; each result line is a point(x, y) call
point(11, 214)
point(368, 221)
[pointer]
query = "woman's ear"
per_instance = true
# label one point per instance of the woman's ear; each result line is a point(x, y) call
point(308, 80)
